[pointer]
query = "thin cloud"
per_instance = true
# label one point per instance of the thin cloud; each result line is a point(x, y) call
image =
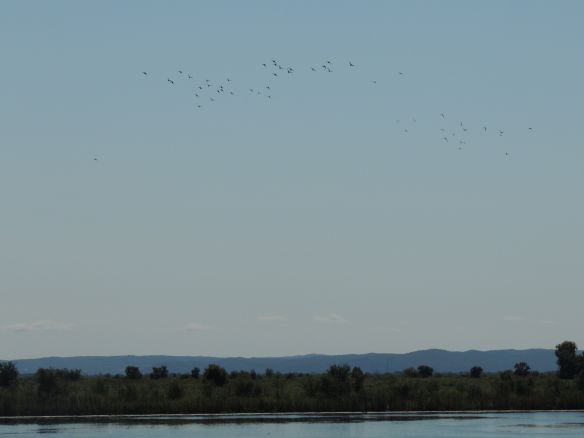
point(44, 325)
point(549, 322)
point(195, 327)
point(513, 318)
point(277, 318)
point(331, 318)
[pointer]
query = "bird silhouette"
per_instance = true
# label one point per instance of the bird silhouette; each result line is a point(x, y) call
point(171, 81)
point(351, 64)
point(145, 73)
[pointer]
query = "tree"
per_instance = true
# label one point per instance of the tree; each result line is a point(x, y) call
point(159, 372)
point(47, 380)
point(215, 374)
point(521, 369)
point(358, 377)
point(339, 372)
point(195, 373)
point(410, 372)
point(476, 372)
point(567, 359)
point(269, 372)
point(133, 373)
point(425, 371)
point(8, 374)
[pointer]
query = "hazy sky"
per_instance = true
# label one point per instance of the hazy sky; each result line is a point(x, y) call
point(308, 222)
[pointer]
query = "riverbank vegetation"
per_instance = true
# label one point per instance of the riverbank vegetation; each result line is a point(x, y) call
point(341, 388)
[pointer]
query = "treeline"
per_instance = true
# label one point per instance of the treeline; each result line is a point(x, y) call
point(341, 388)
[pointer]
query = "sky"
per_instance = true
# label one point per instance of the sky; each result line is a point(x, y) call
point(332, 217)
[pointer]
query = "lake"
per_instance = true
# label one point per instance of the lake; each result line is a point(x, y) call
point(467, 425)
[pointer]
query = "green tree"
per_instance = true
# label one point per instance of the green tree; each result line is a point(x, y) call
point(476, 372)
point(195, 373)
point(410, 372)
point(521, 369)
point(8, 374)
point(133, 373)
point(46, 379)
point(339, 372)
point(215, 374)
point(567, 359)
point(358, 377)
point(425, 371)
point(159, 372)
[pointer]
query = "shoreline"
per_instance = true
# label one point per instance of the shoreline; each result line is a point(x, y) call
point(267, 417)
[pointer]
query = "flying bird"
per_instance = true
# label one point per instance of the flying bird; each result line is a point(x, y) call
point(145, 73)
point(171, 81)
point(351, 64)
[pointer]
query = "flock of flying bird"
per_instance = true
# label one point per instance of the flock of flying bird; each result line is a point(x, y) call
point(206, 92)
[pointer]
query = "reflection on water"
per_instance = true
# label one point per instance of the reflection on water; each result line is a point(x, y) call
point(375, 425)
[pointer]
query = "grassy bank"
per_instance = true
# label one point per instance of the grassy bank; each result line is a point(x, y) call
point(248, 392)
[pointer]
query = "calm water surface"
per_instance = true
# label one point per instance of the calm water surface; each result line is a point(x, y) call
point(557, 424)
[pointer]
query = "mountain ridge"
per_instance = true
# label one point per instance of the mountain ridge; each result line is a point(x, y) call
point(441, 360)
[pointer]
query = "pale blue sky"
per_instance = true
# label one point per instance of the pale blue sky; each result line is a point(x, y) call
point(308, 222)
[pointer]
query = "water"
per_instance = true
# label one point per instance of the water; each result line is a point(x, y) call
point(540, 424)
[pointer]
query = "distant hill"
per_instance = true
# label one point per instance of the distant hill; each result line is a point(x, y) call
point(441, 360)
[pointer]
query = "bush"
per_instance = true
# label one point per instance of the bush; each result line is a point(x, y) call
point(8, 374)
point(195, 373)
